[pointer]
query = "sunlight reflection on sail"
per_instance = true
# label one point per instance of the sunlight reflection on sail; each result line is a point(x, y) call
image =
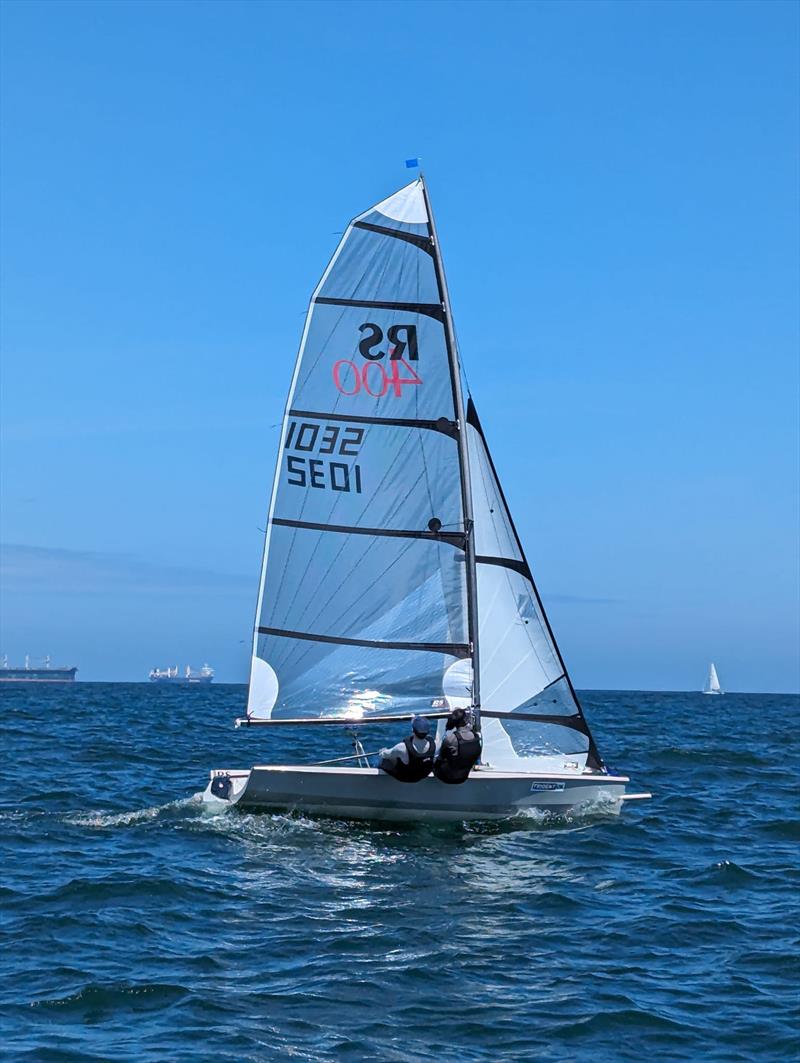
point(365, 702)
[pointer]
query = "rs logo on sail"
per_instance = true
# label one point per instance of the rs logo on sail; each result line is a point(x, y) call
point(375, 336)
point(401, 342)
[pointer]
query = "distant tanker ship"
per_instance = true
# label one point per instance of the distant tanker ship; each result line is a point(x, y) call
point(28, 674)
point(171, 675)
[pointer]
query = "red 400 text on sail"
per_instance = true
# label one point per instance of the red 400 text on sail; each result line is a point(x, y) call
point(350, 381)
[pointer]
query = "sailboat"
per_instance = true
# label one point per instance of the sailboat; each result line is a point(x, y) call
point(712, 683)
point(393, 580)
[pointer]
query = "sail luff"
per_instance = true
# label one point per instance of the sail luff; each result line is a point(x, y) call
point(463, 450)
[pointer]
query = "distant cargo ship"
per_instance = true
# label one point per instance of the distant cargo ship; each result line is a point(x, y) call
point(171, 675)
point(29, 674)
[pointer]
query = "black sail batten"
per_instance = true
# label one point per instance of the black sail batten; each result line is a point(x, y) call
point(456, 539)
point(442, 424)
point(452, 649)
point(593, 760)
point(506, 562)
point(574, 722)
point(429, 309)
point(463, 454)
point(423, 242)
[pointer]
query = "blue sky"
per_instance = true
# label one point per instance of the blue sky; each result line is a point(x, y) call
point(615, 188)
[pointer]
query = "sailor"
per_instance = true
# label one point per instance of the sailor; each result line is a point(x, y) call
point(411, 759)
point(460, 749)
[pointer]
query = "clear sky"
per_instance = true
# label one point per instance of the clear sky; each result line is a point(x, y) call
point(616, 191)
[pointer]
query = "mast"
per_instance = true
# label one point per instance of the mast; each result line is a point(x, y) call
point(466, 491)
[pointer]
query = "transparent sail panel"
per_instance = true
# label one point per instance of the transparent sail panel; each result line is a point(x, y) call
point(315, 680)
point(374, 362)
point(518, 659)
point(368, 475)
point(494, 534)
point(374, 266)
point(365, 541)
point(526, 745)
point(363, 586)
point(520, 668)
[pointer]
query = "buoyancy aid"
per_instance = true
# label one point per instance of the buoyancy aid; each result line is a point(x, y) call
point(419, 764)
point(455, 767)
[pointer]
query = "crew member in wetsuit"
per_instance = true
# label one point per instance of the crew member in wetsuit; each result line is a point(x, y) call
point(411, 759)
point(460, 750)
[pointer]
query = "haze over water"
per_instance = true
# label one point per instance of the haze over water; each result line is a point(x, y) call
point(144, 930)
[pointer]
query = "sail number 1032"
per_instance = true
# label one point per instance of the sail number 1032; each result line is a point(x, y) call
point(325, 473)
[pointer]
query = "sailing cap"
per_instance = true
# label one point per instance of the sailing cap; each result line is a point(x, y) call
point(420, 726)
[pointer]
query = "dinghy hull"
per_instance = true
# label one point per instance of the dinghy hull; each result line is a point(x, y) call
point(366, 793)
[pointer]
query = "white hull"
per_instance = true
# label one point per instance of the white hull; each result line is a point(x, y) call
point(366, 793)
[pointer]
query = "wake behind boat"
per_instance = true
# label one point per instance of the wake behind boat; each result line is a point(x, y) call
point(394, 583)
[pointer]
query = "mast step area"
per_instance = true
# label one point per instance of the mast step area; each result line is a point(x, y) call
point(369, 794)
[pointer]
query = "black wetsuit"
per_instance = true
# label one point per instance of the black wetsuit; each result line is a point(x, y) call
point(460, 751)
point(419, 764)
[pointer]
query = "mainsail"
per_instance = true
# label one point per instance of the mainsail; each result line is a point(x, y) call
point(392, 571)
point(712, 683)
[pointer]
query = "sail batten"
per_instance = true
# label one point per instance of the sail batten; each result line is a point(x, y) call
point(456, 539)
point(443, 425)
point(431, 309)
point(452, 649)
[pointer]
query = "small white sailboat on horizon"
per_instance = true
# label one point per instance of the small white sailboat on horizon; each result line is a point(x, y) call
point(393, 581)
point(712, 685)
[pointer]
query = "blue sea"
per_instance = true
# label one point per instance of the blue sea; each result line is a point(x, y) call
point(138, 927)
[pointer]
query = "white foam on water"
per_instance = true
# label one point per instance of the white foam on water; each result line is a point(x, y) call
point(103, 820)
